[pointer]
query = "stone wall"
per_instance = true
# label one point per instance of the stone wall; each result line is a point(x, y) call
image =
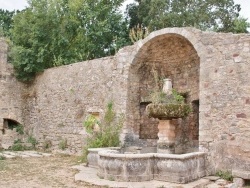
point(11, 101)
point(63, 97)
point(211, 69)
point(225, 107)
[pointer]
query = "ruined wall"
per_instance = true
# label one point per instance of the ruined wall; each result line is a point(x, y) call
point(213, 69)
point(61, 98)
point(10, 97)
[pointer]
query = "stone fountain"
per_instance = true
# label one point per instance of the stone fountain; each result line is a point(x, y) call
point(166, 112)
point(116, 165)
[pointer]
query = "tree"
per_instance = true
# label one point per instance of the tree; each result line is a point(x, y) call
point(214, 15)
point(6, 21)
point(57, 32)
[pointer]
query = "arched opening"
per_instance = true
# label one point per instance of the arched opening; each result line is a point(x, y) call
point(171, 56)
point(9, 124)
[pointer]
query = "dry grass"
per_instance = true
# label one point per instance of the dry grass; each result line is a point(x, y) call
point(44, 172)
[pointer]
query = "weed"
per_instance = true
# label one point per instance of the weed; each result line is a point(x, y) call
point(47, 144)
point(20, 129)
point(17, 147)
point(32, 141)
point(108, 136)
point(63, 144)
point(18, 141)
point(2, 157)
point(225, 175)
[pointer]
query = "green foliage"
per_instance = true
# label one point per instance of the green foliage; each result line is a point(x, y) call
point(157, 96)
point(17, 147)
point(90, 122)
point(137, 33)
point(6, 22)
point(57, 32)
point(18, 141)
point(32, 141)
point(240, 25)
point(2, 157)
point(108, 136)
point(20, 129)
point(47, 144)
point(214, 15)
point(225, 175)
point(63, 144)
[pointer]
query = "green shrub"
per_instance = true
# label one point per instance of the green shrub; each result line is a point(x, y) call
point(2, 157)
point(20, 129)
point(225, 175)
point(18, 141)
point(47, 144)
point(17, 147)
point(108, 136)
point(90, 122)
point(32, 141)
point(63, 144)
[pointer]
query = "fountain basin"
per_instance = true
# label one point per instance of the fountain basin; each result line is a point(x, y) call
point(93, 155)
point(182, 168)
point(167, 111)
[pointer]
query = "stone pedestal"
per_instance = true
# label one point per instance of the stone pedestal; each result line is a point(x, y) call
point(166, 134)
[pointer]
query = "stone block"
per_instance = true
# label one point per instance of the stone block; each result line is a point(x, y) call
point(241, 174)
point(238, 182)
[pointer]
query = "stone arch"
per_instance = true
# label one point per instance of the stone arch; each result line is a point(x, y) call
point(175, 53)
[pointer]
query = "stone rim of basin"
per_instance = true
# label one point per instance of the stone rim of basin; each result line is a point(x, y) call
point(167, 111)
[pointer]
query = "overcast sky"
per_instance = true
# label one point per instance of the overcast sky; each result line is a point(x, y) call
point(21, 4)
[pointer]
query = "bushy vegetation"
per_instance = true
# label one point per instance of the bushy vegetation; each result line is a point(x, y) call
point(63, 144)
point(51, 33)
point(225, 175)
point(221, 16)
point(108, 133)
point(32, 141)
point(57, 32)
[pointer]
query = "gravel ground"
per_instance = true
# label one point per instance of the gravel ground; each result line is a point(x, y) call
point(33, 172)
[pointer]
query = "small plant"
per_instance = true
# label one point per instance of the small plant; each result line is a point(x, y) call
point(108, 136)
point(2, 157)
point(47, 144)
point(32, 141)
point(18, 141)
point(17, 147)
point(63, 144)
point(137, 33)
point(90, 122)
point(20, 129)
point(225, 175)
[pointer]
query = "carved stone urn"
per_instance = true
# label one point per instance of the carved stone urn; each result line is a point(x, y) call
point(167, 113)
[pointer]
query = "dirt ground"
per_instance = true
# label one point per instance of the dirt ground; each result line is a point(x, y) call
point(33, 172)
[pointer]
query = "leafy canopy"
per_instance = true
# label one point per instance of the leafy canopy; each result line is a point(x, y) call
point(57, 32)
point(222, 16)
point(6, 22)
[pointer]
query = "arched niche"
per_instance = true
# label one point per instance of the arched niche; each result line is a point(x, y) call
point(172, 56)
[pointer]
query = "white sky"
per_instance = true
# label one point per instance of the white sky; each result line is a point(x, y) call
point(21, 4)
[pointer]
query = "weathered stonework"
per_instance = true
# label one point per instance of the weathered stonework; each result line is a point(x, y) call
point(211, 69)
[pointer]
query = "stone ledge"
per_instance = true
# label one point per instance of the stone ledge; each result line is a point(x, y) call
point(241, 174)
